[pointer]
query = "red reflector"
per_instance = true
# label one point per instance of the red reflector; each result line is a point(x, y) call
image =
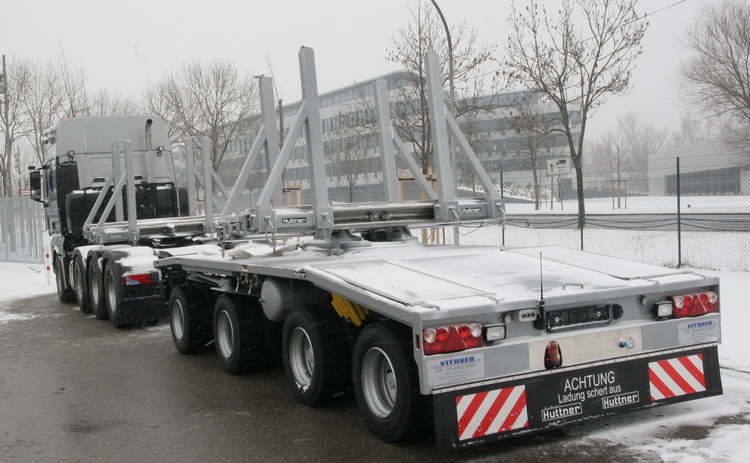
point(692, 305)
point(452, 338)
point(132, 280)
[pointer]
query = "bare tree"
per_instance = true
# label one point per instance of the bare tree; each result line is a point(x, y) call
point(43, 103)
point(211, 100)
point(694, 128)
point(425, 33)
point(717, 76)
point(575, 64)
point(642, 140)
point(534, 128)
point(477, 134)
point(74, 98)
point(104, 103)
point(12, 118)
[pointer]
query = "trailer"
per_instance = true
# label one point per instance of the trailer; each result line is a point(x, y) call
point(474, 343)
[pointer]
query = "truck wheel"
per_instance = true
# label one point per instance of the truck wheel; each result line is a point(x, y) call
point(189, 319)
point(64, 291)
point(315, 355)
point(81, 284)
point(113, 293)
point(238, 331)
point(386, 384)
point(96, 289)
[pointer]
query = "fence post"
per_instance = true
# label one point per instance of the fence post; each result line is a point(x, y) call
point(502, 196)
point(679, 218)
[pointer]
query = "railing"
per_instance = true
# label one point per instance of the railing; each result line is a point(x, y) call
point(21, 227)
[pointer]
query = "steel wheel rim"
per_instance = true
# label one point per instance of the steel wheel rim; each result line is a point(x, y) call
point(78, 280)
point(225, 334)
point(379, 382)
point(109, 288)
point(178, 319)
point(301, 357)
point(94, 288)
point(59, 277)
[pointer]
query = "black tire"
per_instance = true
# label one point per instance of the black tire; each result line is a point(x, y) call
point(64, 291)
point(113, 293)
point(315, 355)
point(238, 334)
point(190, 318)
point(386, 384)
point(80, 283)
point(96, 288)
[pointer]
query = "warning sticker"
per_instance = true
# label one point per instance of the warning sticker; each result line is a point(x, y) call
point(456, 369)
point(696, 332)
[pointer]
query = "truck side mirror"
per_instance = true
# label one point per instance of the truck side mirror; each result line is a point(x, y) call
point(35, 185)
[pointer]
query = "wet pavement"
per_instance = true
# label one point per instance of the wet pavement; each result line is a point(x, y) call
point(76, 389)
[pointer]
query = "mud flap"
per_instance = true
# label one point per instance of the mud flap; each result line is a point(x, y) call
point(144, 303)
point(542, 401)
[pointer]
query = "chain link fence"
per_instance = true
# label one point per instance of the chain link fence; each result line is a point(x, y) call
point(697, 219)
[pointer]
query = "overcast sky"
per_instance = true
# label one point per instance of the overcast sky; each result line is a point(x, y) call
point(127, 45)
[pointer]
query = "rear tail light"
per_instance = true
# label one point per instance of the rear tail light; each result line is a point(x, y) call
point(691, 305)
point(140, 279)
point(452, 338)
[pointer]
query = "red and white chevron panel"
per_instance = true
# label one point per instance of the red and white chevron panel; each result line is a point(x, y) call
point(491, 412)
point(676, 377)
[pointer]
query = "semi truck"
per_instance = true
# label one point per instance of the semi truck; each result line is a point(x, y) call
point(475, 344)
point(92, 246)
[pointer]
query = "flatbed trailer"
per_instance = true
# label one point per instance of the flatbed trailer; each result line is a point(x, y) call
point(476, 343)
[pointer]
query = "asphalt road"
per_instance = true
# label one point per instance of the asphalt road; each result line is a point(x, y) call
point(75, 389)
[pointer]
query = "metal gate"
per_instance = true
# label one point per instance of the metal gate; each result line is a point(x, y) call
point(21, 226)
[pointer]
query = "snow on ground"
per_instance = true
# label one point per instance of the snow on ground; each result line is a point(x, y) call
point(650, 432)
point(22, 280)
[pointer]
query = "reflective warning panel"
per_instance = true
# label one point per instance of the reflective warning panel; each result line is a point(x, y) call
point(676, 377)
point(491, 412)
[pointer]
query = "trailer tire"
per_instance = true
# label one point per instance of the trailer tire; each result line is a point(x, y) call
point(113, 293)
point(64, 291)
point(315, 355)
point(238, 333)
point(386, 384)
point(81, 284)
point(189, 318)
point(96, 287)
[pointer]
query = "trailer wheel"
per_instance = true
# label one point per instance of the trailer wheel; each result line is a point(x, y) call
point(315, 355)
point(64, 291)
point(238, 331)
point(96, 288)
point(113, 293)
point(189, 319)
point(386, 384)
point(81, 284)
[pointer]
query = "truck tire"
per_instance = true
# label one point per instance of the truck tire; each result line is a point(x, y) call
point(96, 287)
point(64, 291)
point(113, 293)
point(386, 384)
point(315, 355)
point(238, 332)
point(189, 318)
point(80, 282)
